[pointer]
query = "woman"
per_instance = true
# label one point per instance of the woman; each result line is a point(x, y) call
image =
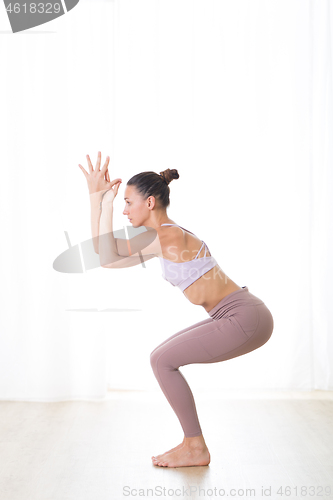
point(238, 322)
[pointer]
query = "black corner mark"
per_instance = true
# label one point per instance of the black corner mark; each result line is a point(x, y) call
point(26, 14)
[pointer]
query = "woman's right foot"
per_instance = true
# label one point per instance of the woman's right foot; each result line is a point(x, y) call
point(160, 457)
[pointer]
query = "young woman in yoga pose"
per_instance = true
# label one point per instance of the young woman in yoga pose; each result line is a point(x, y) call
point(238, 321)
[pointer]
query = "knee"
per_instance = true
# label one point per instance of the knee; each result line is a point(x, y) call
point(157, 358)
point(160, 359)
point(153, 359)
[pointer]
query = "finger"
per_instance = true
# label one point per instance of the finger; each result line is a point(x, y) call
point(106, 164)
point(83, 170)
point(116, 190)
point(115, 187)
point(98, 163)
point(115, 181)
point(107, 176)
point(90, 164)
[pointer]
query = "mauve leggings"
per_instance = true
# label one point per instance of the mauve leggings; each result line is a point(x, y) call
point(238, 324)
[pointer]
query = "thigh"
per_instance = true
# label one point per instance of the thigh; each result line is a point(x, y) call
point(189, 328)
point(209, 342)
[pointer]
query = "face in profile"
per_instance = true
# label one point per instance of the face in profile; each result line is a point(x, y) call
point(136, 209)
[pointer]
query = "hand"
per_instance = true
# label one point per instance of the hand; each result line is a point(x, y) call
point(99, 180)
point(110, 195)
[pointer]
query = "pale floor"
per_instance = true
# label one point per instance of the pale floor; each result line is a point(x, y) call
point(79, 450)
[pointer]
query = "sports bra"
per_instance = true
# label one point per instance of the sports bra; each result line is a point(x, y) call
point(183, 274)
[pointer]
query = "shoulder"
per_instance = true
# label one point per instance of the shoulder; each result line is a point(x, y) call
point(171, 239)
point(170, 234)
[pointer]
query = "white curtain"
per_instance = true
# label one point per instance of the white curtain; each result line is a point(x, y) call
point(237, 96)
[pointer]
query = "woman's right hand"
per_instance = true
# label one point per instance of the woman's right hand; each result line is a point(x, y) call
point(98, 180)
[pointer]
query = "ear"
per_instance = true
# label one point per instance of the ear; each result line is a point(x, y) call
point(151, 202)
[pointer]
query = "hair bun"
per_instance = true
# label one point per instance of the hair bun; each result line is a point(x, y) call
point(169, 174)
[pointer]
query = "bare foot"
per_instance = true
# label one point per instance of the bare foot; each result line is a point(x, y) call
point(186, 456)
point(161, 456)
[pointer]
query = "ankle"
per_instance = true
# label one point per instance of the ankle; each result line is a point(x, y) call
point(196, 442)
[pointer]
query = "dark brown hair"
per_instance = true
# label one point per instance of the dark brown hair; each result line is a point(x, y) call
point(153, 184)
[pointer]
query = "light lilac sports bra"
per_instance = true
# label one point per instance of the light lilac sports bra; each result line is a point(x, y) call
point(183, 274)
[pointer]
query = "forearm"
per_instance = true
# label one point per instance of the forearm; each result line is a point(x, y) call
point(95, 199)
point(109, 254)
point(108, 251)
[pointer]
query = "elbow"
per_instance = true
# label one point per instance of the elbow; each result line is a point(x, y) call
point(107, 266)
point(107, 261)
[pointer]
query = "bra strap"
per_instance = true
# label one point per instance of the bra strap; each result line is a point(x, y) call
point(206, 250)
point(199, 251)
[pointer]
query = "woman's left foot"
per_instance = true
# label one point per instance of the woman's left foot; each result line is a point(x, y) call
point(185, 457)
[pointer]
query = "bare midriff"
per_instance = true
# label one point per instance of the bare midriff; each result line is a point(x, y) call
point(210, 288)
